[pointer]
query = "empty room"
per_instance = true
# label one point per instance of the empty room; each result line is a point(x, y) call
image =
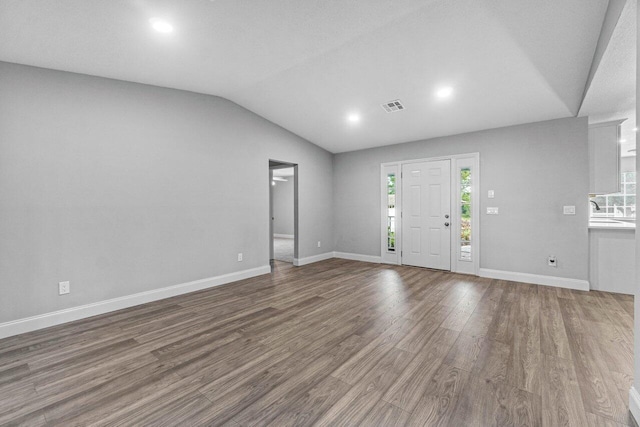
point(318, 213)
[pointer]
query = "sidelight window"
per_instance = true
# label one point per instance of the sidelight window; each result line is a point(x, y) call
point(465, 215)
point(391, 212)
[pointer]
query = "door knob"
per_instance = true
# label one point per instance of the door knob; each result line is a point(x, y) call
point(446, 224)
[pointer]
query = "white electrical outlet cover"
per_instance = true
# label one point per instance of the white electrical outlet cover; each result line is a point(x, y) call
point(569, 210)
point(491, 194)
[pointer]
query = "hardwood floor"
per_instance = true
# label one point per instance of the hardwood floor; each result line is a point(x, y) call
point(334, 343)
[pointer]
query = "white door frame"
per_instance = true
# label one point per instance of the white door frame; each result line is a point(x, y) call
point(458, 161)
point(277, 164)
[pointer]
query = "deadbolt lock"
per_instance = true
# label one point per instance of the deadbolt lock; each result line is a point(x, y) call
point(446, 216)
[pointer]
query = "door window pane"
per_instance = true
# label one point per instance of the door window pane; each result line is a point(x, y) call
point(391, 212)
point(465, 251)
point(465, 214)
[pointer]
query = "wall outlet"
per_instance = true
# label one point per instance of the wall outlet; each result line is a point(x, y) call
point(491, 194)
point(569, 210)
point(318, 243)
point(552, 261)
point(492, 211)
point(64, 288)
point(239, 256)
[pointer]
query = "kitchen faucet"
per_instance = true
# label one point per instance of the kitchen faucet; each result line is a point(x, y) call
point(594, 202)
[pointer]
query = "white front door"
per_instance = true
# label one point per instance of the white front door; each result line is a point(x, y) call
point(426, 230)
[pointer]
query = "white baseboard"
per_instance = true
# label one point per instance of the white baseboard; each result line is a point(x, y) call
point(358, 257)
point(311, 259)
point(536, 279)
point(634, 404)
point(344, 255)
point(46, 320)
point(283, 236)
point(558, 282)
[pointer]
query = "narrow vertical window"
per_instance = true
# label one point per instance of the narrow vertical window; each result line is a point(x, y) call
point(391, 212)
point(465, 214)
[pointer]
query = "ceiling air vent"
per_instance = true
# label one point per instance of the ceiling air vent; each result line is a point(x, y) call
point(393, 106)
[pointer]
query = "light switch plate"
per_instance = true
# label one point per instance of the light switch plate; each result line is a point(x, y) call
point(64, 288)
point(569, 210)
point(492, 211)
point(491, 194)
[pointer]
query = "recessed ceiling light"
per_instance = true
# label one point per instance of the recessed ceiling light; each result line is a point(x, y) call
point(623, 141)
point(161, 25)
point(444, 92)
point(635, 129)
point(353, 118)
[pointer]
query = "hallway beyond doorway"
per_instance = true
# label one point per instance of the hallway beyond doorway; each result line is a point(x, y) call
point(283, 249)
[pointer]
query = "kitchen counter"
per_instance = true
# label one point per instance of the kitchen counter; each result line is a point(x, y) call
point(612, 257)
point(611, 224)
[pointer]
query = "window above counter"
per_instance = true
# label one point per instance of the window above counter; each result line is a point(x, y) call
point(617, 205)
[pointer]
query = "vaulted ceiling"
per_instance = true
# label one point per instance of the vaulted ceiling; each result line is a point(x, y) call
point(612, 92)
point(309, 64)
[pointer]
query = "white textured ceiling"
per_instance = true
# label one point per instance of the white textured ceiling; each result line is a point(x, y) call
point(306, 64)
point(612, 94)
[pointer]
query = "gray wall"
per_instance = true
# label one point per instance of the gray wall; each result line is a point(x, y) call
point(123, 188)
point(283, 207)
point(534, 169)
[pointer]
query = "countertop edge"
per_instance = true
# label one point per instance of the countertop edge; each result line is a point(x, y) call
point(610, 227)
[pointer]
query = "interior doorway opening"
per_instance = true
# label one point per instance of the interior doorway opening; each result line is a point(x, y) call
point(283, 213)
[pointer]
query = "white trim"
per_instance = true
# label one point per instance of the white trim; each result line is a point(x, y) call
point(298, 262)
point(46, 320)
point(311, 259)
point(358, 257)
point(605, 124)
point(536, 279)
point(429, 159)
point(284, 236)
point(634, 404)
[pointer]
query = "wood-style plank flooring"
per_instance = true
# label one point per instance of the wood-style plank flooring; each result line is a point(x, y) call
point(330, 344)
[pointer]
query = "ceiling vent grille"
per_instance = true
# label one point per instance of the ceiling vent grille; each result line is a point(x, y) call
point(393, 106)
